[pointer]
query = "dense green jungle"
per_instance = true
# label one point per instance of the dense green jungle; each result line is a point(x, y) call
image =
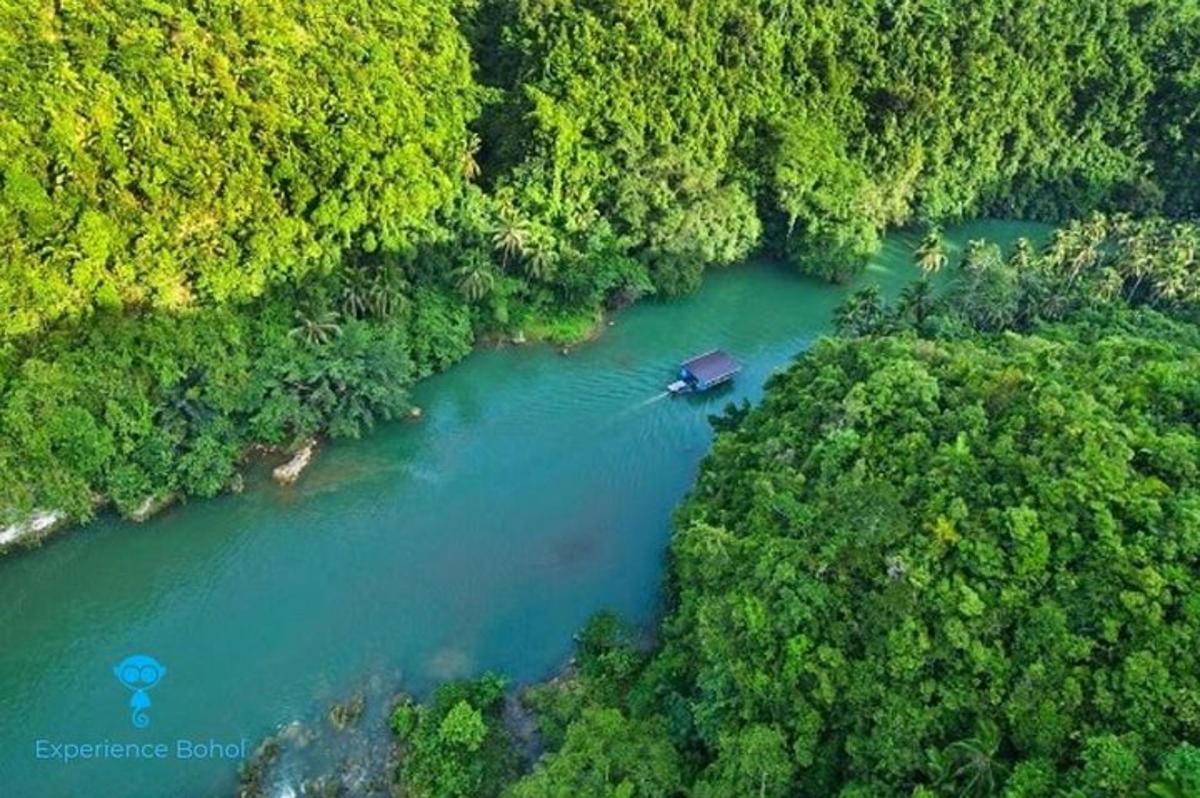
point(954, 551)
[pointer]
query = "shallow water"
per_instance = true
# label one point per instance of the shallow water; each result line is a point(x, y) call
point(537, 490)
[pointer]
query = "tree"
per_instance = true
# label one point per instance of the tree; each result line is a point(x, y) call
point(475, 278)
point(861, 314)
point(541, 256)
point(463, 726)
point(917, 302)
point(606, 754)
point(316, 329)
point(930, 254)
point(881, 562)
point(209, 156)
point(971, 767)
point(753, 762)
point(470, 163)
point(511, 235)
point(457, 745)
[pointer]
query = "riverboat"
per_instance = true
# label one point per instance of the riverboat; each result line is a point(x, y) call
point(704, 372)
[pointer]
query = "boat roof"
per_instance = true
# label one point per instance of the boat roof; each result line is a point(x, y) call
point(712, 366)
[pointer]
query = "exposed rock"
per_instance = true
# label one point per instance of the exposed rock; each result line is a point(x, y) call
point(40, 523)
point(345, 714)
point(290, 471)
point(519, 337)
point(415, 413)
point(297, 734)
point(152, 505)
point(237, 483)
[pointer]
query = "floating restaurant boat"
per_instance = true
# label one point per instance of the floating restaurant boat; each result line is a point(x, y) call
point(704, 372)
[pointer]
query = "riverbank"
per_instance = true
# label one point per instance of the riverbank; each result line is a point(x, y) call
point(215, 467)
point(773, 527)
point(536, 490)
point(214, 433)
point(395, 352)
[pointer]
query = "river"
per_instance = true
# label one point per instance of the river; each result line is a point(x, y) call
point(537, 490)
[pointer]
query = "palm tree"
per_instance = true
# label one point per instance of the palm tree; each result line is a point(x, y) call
point(386, 296)
point(475, 278)
point(541, 256)
point(861, 314)
point(1023, 255)
point(981, 256)
point(930, 254)
point(1177, 279)
point(978, 772)
point(1064, 242)
point(470, 162)
point(1088, 238)
point(184, 400)
point(371, 292)
point(317, 329)
point(355, 292)
point(511, 236)
point(1137, 261)
point(917, 301)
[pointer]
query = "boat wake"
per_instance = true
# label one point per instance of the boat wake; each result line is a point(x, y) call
point(652, 400)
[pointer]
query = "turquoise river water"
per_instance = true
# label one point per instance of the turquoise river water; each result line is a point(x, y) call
point(537, 490)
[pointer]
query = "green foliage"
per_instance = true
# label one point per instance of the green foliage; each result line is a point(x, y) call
point(138, 407)
point(607, 663)
point(1180, 774)
point(861, 313)
point(456, 746)
point(161, 154)
point(948, 563)
point(953, 553)
point(753, 762)
point(225, 226)
point(403, 720)
point(835, 119)
point(606, 755)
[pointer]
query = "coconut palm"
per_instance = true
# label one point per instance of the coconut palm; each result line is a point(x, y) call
point(977, 772)
point(1023, 255)
point(930, 254)
point(1088, 239)
point(917, 301)
point(861, 313)
point(470, 163)
point(541, 256)
point(375, 292)
point(355, 292)
point(1177, 264)
point(981, 256)
point(511, 235)
point(386, 296)
point(316, 329)
point(1138, 261)
point(1063, 243)
point(475, 278)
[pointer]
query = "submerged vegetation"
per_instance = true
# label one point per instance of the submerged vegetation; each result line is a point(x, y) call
point(236, 226)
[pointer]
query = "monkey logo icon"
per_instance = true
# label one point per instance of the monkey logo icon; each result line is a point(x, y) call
point(139, 673)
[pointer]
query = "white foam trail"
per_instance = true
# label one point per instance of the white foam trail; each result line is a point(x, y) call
point(654, 399)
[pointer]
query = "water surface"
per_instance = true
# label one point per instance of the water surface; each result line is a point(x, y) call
point(537, 490)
